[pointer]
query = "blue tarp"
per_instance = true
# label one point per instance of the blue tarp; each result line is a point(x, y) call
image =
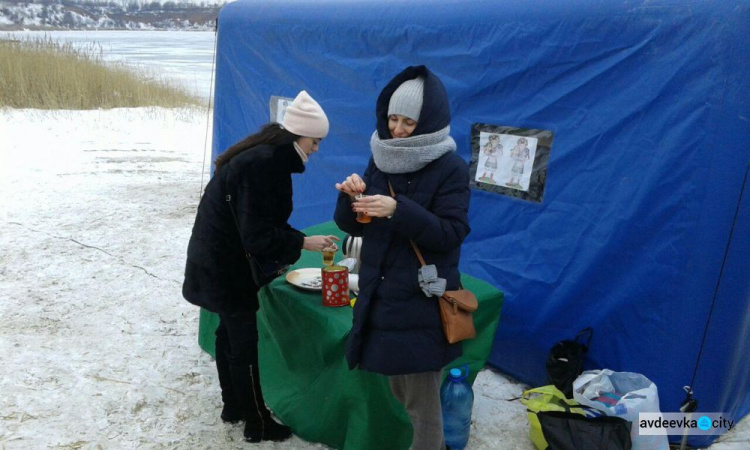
point(643, 228)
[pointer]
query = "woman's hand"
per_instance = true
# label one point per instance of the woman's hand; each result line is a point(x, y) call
point(375, 205)
point(318, 243)
point(352, 186)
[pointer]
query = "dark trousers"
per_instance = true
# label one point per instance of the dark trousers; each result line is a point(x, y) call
point(237, 364)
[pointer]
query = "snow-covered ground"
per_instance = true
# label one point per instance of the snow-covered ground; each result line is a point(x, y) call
point(99, 350)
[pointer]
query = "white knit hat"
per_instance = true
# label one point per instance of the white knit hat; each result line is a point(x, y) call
point(407, 99)
point(304, 117)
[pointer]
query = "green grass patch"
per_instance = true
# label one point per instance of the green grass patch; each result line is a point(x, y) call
point(47, 74)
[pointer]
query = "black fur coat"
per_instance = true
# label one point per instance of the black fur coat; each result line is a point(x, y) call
point(259, 181)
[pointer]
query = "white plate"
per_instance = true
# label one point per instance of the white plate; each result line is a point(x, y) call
point(308, 279)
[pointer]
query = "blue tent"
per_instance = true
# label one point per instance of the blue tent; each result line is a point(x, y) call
point(642, 231)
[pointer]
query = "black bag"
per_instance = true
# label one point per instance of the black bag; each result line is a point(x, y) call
point(569, 431)
point(263, 270)
point(565, 361)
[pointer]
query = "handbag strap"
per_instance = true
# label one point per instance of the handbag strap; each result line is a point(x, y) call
point(419, 254)
point(413, 245)
point(587, 333)
point(228, 198)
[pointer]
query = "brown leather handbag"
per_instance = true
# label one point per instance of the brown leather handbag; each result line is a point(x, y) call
point(455, 306)
point(455, 310)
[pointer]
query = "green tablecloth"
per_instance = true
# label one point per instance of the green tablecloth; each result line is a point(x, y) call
point(305, 377)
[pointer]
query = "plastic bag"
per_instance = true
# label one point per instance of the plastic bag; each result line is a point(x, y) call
point(624, 395)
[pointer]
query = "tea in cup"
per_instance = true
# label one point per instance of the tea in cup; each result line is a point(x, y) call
point(361, 216)
point(328, 254)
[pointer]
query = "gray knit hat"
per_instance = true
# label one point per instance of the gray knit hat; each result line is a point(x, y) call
point(407, 99)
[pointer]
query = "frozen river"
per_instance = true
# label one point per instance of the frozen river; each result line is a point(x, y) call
point(181, 57)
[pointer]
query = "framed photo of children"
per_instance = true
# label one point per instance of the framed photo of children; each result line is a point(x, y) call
point(509, 160)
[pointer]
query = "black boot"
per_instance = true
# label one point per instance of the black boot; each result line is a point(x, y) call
point(232, 411)
point(231, 414)
point(268, 430)
point(260, 426)
point(239, 377)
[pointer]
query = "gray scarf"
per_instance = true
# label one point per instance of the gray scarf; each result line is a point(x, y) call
point(406, 155)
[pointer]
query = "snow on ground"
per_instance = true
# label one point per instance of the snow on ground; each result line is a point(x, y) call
point(99, 350)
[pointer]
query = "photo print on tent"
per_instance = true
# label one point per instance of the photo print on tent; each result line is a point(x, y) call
point(277, 107)
point(505, 160)
point(509, 160)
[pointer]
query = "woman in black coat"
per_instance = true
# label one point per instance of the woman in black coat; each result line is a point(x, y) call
point(255, 176)
point(397, 329)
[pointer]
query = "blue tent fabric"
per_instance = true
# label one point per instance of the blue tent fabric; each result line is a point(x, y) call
point(643, 229)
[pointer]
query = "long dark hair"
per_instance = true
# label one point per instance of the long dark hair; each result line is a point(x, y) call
point(270, 134)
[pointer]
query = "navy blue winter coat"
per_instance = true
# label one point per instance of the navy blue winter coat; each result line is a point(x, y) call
point(217, 275)
point(396, 328)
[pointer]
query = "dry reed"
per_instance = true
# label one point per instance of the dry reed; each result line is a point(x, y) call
point(46, 74)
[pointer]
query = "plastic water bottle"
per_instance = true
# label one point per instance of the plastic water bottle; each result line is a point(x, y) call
point(457, 399)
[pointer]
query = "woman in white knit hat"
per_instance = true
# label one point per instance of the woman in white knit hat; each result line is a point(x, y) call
point(245, 209)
